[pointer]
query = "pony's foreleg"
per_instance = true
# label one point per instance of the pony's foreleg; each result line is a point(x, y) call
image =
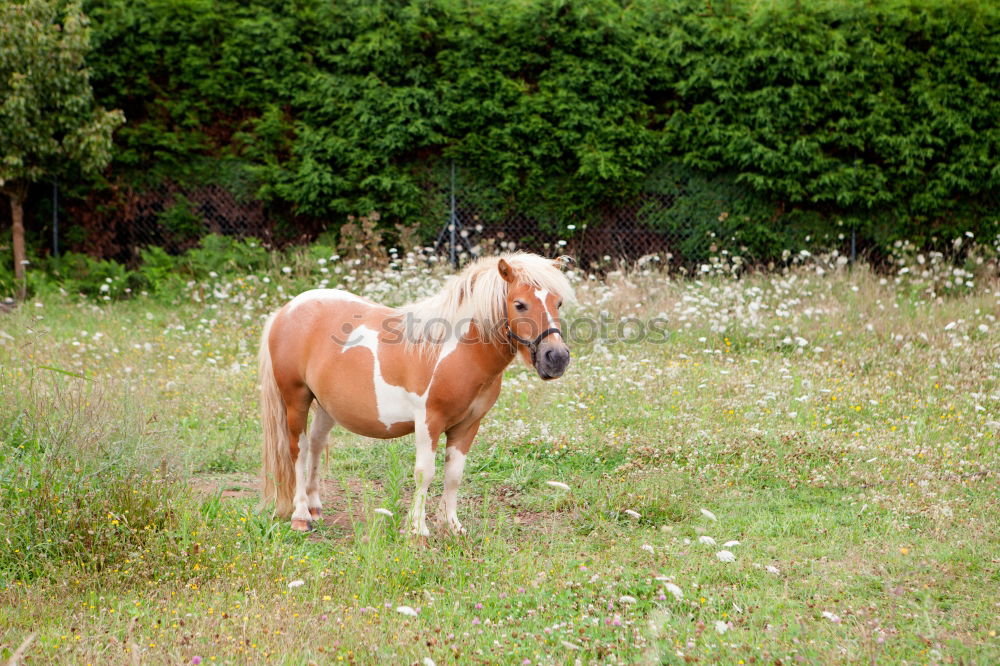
point(318, 433)
point(423, 473)
point(459, 443)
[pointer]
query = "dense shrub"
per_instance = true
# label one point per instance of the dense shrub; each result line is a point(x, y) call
point(157, 272)
point(880, 115)
point(223, 254)
point(883, 113)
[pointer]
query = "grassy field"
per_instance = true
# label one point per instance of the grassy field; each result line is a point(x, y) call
point(841, 426)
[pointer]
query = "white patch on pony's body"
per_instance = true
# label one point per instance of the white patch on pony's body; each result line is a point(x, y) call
point(325, 295)
point(542, 295)
point(394, 403)
point(447, 347)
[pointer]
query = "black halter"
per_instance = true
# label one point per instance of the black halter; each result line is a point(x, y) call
point(532, 345)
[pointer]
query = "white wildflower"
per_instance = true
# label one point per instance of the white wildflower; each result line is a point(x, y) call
point(557, 484)
point(626, 599)
point(730, 544)
point(406, 610)
point(649, 549)
point(384, 512)
point(633, 514)
point(832, 617)
point(708, 514)
point(725, 556)
point(296, 583)
point(674, 590)
point(707, 540)
point(721, 627)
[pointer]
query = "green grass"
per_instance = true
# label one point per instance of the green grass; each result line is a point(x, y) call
point(857, 469)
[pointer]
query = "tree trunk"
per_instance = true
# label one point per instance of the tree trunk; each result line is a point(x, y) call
point(17, 195)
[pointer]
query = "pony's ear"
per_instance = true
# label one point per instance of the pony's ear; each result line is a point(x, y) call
point(505, 270)
point(562, 262)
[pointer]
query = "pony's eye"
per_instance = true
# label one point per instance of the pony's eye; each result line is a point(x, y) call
point(558, 305)
point(521, 307)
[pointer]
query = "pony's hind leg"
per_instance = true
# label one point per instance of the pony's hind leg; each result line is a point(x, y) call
point(297, 416)
point(319, 431)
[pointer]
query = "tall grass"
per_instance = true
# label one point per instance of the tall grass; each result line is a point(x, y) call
point(82, 482)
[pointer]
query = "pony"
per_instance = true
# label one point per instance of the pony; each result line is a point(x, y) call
point(433, 367)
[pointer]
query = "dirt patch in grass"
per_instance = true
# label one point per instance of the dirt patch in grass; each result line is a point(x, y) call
point(230, 485)
point(342, 505)
point(509, 498)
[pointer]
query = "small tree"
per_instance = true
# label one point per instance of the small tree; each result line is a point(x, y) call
point(48, 120)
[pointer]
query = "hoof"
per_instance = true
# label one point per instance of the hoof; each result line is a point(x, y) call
point(301, 525)
point(316, 513)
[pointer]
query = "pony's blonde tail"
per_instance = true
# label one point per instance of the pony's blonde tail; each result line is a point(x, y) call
point(278, 472)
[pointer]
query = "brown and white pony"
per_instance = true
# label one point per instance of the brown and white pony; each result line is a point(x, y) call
point(428, 368)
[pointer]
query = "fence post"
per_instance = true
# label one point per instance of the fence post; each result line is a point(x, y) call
point(451, 230)
point(55, 219)
point(453, 221)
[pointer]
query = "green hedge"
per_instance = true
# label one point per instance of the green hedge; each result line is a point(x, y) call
point(882, 115)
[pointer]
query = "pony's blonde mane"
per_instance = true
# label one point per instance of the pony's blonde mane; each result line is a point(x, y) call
point(479, 294)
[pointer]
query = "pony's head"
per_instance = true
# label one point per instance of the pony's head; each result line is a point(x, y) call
point(535, 292)
point(513, 299)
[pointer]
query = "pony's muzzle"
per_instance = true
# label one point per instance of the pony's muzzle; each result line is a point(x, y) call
point(552, 359)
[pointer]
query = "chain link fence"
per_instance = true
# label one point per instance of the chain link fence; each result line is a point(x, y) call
point(176, 218)
point(465, 221)
point(627, 232)
point(475, 220)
